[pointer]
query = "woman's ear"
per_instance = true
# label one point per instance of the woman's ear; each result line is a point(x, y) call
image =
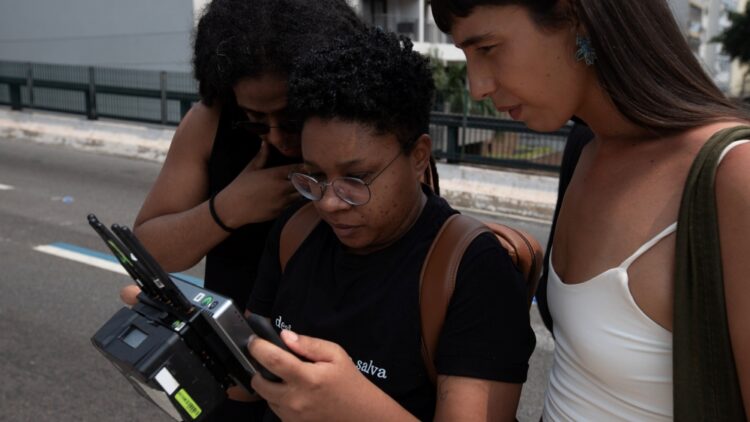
point(421, 153)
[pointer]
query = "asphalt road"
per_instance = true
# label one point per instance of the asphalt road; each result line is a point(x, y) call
point(50, 306)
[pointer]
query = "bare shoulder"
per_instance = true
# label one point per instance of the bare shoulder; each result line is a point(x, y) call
point(701, 134)
point(197, 130)
point(733, 207)
point(732, 174)
point(690, 142)
point(183, 180)
point(733, 177)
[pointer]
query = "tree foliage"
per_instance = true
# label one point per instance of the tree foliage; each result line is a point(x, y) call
point(452, 94)
point(735, 39)
point(449, 85)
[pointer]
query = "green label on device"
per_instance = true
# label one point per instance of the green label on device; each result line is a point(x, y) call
point(187, 403)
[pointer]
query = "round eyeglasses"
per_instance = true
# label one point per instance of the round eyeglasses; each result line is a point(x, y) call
point(352, 190)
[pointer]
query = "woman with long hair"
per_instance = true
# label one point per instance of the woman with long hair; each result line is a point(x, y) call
point(617, 298)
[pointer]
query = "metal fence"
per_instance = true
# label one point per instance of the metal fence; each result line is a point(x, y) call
point(164, 97)
point(140, 95)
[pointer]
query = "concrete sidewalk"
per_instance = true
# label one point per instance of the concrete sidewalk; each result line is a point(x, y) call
point(491, 191)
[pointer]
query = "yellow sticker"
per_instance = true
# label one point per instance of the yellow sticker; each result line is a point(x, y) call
point(187, 403)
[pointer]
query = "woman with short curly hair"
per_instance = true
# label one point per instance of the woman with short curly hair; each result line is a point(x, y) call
point(351, 291)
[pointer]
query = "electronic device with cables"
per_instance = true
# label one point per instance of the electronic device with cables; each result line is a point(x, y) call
point(181, 346)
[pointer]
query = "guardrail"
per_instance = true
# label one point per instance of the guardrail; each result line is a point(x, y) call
point(164, 97)
point(495, 142)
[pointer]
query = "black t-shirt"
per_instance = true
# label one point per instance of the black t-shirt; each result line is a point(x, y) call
point(369, 305)
point(231, 265)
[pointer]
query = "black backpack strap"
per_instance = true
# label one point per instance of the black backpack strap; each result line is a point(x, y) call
point(578, 138)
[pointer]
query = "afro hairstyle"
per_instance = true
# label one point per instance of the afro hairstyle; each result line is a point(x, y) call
point(235, 39)
point(371, 77)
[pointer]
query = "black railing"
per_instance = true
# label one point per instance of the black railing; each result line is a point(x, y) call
point(495, 142)
point(165, 97)
point(138, 95)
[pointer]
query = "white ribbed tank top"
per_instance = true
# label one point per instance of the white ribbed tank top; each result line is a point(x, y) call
point(611, 362)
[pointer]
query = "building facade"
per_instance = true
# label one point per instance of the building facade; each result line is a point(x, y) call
point(739, 82)
point(156, 35)
point(701, 21)
point(412, 18)
point(134, 34)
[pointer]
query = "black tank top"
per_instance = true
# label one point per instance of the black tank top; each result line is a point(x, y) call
point(232, 265)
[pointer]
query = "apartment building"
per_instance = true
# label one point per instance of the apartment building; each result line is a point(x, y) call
point(739, 82)
point(412, 18)
point(134, 34)
point(700, 20)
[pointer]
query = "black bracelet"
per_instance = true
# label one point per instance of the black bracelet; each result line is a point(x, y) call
point(215, 216)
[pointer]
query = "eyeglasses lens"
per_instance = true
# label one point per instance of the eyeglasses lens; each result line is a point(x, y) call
point(307, 186)
point(350, 190)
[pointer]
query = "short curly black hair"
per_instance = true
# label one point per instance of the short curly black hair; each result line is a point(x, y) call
point(371, 77)
point(246, 38)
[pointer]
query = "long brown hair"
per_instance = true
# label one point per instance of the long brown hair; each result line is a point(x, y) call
point(643, 61)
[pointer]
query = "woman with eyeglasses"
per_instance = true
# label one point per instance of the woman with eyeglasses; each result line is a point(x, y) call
point(224, 180)
point(348, 299)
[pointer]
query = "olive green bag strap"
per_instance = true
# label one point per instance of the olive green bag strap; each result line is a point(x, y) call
point(706, 386)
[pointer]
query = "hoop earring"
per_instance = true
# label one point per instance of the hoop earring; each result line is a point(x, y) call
point(585, 51)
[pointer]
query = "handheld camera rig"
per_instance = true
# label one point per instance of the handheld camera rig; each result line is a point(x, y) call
point(181, 346)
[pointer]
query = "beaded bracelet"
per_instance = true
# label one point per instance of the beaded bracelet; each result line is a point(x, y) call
point(215, 216)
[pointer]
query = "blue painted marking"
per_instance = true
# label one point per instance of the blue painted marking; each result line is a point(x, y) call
point(108, 257)
point(190, 279)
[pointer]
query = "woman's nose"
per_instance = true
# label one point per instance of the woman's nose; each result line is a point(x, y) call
point(330, 202)
point(481, 82)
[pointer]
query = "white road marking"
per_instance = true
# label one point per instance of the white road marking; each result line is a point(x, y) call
point(82, 258)
point(6, 187)
point(98, 259)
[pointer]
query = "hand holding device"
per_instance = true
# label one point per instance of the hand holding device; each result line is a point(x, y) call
point(330, 387)
point(263, 329)
point(181, 346)
point(129, 294)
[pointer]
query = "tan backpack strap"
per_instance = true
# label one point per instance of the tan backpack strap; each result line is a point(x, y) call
point(524, 251)
point(438, 279)
point(295, 231)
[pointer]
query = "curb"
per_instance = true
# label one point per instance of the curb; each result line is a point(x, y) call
point(494, 192)
point(108, 137)
point(499, 192)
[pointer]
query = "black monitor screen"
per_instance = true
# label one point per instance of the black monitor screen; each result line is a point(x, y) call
point(134, 337)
